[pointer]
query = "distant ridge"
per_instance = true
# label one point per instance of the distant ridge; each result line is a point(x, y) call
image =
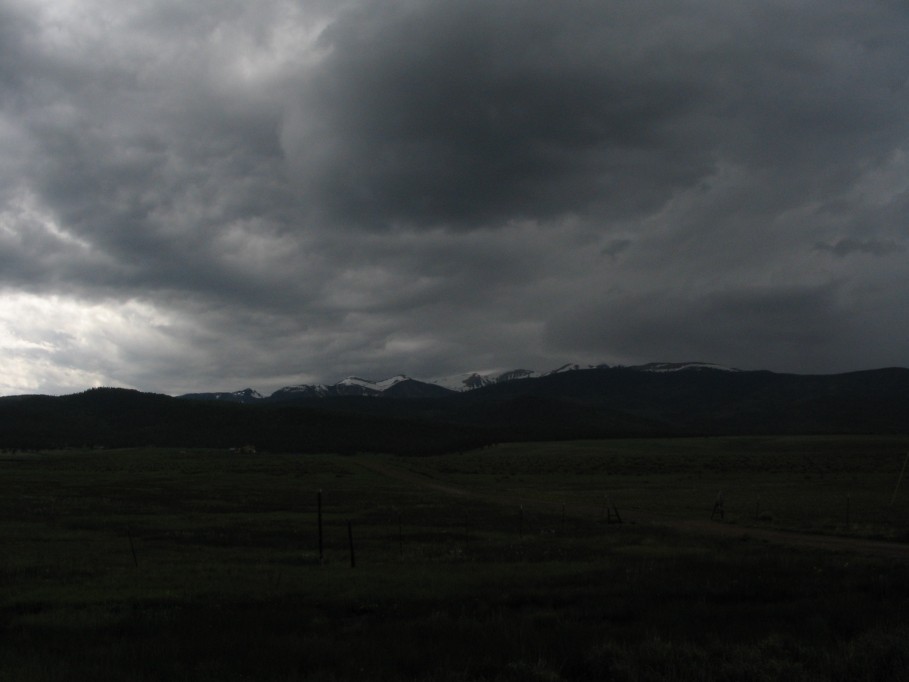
point(246, 395)
point(683, 366)
point(674, 398)
point(398, 386)
point(408, 416)
point(403, 386)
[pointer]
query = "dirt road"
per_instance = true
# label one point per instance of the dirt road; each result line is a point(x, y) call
point(810, 541)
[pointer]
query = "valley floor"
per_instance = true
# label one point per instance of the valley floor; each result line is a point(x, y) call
point(507, 563)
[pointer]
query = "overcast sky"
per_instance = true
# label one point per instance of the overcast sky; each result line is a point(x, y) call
point(217, 194)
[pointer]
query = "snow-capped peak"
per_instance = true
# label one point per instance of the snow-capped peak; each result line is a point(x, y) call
point(571, 367)
point(682, 366)
point(248, 394)
point(309, 389)
point(372, 385)
point(467, 381)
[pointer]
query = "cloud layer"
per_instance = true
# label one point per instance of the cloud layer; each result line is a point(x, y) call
point(218, 194)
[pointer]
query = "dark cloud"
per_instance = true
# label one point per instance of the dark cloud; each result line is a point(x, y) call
point(616, 246)
point(466, 114)
point(280, 191)
point(471, 113)
point(844, 247)
point(796, 329)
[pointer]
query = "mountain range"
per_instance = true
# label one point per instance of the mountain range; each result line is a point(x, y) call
point(402, 386)
point(408, 416)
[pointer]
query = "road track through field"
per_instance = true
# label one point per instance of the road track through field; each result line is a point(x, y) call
point(809, 541)
point(408, 476)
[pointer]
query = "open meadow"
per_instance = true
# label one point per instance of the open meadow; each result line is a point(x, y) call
point(590, 560)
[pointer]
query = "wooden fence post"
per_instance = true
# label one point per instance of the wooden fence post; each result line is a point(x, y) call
point(319, 504)
point(899, 480)
point(132, 547)
point(718, 509)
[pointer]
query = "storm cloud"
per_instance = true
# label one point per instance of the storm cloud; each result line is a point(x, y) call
point(214, 195)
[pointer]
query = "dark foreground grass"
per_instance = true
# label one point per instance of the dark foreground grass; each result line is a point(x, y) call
point(157, 565)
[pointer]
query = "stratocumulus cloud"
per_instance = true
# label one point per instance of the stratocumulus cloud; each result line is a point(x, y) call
point(212, 195)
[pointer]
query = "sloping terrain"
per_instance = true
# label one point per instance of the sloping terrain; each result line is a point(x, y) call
point(109, 417)
point(408, 417)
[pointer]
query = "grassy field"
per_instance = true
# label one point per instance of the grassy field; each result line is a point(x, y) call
point(499, 564)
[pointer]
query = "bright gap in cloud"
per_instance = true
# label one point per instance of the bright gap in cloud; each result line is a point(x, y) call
point(59, 345)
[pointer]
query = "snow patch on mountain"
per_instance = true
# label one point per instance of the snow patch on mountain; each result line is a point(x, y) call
point(460, 382)
point(513, 374)
point(683, 366)
point(369, 384)
point(468, 381)
point(248, 394)
point(571, 367)
point(313, 390)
